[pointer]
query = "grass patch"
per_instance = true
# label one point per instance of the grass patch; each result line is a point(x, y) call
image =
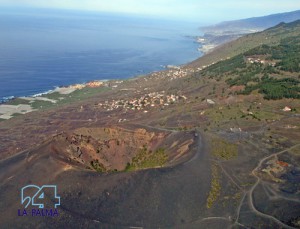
point(275, 88)
point(84, 93)
point(224, 115)
point(61, 99)
point(295, 151)
point(18, 101)
point(55, 96)
point(147, 159)
point(96, 165)
point(16, 114)
point(39, 104)
point(77, 95)
point(223, 149)
point(264, 115)
point(215, 188)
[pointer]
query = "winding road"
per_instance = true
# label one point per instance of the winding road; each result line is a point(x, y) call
point(258, 180)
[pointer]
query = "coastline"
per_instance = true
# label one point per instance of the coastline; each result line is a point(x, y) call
point(9, 109)
point(64, 94)
point(12, 106)
point(6, 99)
point(60, 89)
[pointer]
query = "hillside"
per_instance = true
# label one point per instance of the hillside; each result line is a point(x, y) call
point(213, 146)
point(272, 70)
point(225, 32)
point(271, 36)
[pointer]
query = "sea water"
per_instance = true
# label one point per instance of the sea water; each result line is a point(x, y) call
point(41, 49)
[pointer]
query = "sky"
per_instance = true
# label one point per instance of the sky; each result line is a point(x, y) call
point(188, 10)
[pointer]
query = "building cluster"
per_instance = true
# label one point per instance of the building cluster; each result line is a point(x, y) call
point(253, 60)
point(77, 86)
point(114, 83)
point(92, 84)
point(275, 169)
point(287, 109)
point(173, 73)
point(143, 103)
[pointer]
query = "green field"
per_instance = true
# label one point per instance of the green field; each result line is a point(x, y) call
point(61, 99)
point(147, 159)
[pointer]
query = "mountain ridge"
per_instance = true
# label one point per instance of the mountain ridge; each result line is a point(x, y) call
point(254, 23)
point(224, 32)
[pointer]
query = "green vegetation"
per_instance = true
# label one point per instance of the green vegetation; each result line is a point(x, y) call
point(286, 53)
point(295, 151)
point(60, 98)
point(226, 66)
point(147, 159)
point(77, 95)
point(245, 114)
point(55, 96)
point(40, 104)
point(96, 165)
point(215, 188)
point(227, 113)
point(276, 89)
point(16, 114)
point(223, 149)
point(232, 199)
point(35, 104)
point(264, 69)
point(17, 101)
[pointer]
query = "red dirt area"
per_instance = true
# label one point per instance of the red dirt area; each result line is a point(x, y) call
point(282, 163)
point(237, 88)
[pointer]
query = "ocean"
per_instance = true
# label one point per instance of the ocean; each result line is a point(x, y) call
point(41, 49)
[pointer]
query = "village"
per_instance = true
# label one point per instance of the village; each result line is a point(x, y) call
point(143, 103)
point(173, 73)
point(260, 60)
